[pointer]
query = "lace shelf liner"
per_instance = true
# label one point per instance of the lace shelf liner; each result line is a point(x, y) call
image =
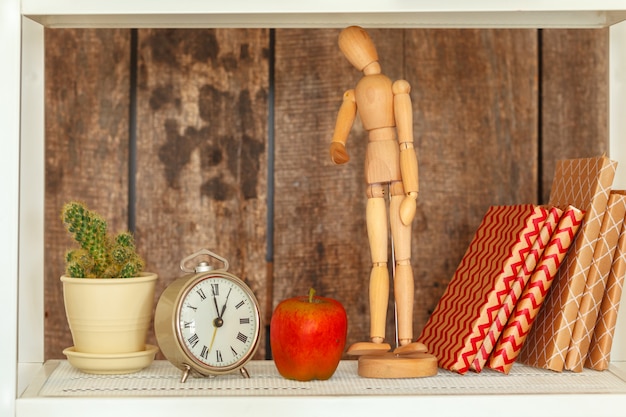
point(163, 379)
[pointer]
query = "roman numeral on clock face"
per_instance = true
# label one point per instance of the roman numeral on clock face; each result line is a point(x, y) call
point(201, 293)
point(215, 288)
point(244, 320)
point(242, 337)
point(193, 340)
point(205, 352)
point(239, 305)
point(218, 356)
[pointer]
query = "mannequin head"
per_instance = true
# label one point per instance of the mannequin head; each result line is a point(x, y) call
point(358, 48)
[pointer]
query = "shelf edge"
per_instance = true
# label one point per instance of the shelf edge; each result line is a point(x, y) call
point(337, 19)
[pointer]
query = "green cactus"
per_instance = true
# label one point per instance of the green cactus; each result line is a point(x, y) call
point(99, 256)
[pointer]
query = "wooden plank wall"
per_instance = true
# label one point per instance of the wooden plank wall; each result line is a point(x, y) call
point(86, 154)
point(493, 111)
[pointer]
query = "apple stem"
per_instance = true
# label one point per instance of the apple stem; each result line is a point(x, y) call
point(311, 294)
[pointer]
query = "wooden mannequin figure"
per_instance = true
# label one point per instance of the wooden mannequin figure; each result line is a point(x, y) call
point(390, 169)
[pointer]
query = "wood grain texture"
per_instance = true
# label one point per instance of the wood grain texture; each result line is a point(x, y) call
point(476, 123)
point(86, 128)
point(202, 160)
point(202, 148)
point(574, 97)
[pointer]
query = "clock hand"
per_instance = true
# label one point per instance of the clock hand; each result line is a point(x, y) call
point(217, 310)
point(226, 301)
point(213, 337)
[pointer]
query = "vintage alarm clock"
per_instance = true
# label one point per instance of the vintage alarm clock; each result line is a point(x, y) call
point(207, 322)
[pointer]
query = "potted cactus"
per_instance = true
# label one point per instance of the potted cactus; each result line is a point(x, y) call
point(99, 255)
point(108, 298)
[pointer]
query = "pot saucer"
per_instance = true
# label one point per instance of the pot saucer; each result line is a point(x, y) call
point(109, 364)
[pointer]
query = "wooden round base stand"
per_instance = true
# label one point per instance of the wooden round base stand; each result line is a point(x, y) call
point(391, 365)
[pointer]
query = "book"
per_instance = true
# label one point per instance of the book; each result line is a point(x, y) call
point(599, 353)
point(466, 310)
point(521, 321)
point(532, 258)
point(596, 282)
point(583, 183)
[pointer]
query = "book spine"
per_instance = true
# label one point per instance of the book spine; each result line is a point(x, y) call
point(544, 233)
point(517, 328)
point(602, 340)
point(586, 184)
point(596, 282)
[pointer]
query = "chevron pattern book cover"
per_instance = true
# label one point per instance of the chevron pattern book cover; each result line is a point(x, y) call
point(551, 220)
point(481, 282)
point(596, 282)
point(583, 183)
point(521, 321)
point(602, 340)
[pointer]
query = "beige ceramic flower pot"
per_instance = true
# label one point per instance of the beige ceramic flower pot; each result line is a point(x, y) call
point(109, 315)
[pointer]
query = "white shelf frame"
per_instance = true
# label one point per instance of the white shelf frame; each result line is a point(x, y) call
point(22, 174)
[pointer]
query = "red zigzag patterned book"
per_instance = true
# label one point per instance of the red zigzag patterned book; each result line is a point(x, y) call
point(458, 325)
point(542, 239)
point(513, 336)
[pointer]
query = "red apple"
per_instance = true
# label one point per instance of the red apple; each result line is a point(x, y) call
point(308, 337)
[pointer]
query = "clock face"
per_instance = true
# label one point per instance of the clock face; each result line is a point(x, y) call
point(218, 322)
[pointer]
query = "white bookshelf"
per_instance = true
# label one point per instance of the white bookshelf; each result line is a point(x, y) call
point(22, 371)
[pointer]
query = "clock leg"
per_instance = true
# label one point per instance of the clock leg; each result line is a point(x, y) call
point(186, 371)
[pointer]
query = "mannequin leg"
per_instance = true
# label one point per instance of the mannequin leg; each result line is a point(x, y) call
point(379, 278)
point(403, 277)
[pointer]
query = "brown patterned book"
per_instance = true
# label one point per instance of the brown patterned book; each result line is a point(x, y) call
point(599, 353)
point(583, 183)
point(596, 281)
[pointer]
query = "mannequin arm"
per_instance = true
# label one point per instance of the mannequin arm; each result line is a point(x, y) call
point(345, 119)
point(408, 159)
